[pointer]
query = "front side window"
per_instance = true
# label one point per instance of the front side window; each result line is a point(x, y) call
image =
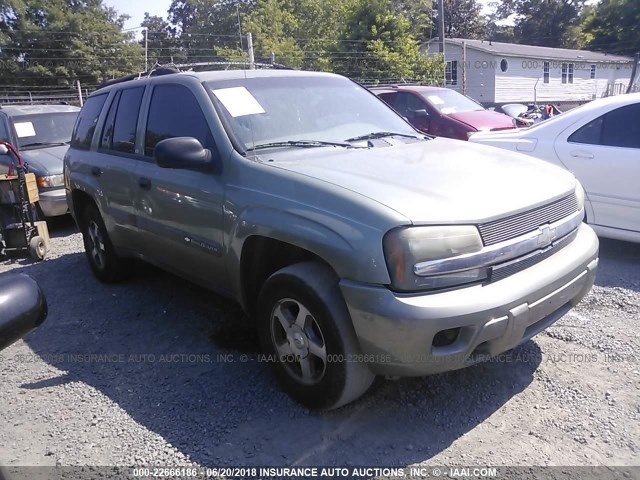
point(407, 105)
point(622, 127)
point(175, 112)
point(87, 120)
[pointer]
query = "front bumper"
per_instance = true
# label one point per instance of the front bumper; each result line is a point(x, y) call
point(396, 332)
point(53, 202)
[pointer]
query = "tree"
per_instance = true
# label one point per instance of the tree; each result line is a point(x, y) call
point(381, 47)
point(419, 15)
point(548, 23)
point(205, 27)
point(462, 19)
point(162, 44)
point(614, 26)
point(56, 42)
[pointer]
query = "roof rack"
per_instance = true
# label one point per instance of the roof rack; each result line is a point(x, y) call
point(154, 72)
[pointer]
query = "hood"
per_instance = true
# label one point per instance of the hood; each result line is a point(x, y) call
point(483, 119)
point(435, 181)
point(46, 160)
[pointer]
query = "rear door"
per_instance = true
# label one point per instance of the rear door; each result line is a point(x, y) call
point(604, 154)
point(180, 210)
point(115, 161)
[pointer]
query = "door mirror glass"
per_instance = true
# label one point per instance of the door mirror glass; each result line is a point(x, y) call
point(24, 308)
point(182, 152)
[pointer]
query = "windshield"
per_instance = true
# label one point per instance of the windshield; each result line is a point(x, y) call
point(262, 111)
point(44, 129)
point(450, 101)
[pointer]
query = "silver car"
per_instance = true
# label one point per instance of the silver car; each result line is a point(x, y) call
point(41, 134)
point(359, 246)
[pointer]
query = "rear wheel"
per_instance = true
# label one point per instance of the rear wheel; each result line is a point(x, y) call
point(307, 334)
point(105, 263)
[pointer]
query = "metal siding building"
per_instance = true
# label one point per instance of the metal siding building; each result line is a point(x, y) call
point(498, 73)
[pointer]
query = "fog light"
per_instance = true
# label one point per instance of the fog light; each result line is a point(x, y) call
point(444, 338)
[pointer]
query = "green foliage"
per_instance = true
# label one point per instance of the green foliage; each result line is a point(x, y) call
point(614, 26)
point(548, 23)
point(462, 19)
point(379, 46)
point(163, 46)
point(56, 42)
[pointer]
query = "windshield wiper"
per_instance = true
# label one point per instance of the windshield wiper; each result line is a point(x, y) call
point(44, 144)
point(301, 144)
point(373, 135)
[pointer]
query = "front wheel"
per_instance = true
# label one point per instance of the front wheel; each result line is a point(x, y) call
point(105, 263)
point(307, 334)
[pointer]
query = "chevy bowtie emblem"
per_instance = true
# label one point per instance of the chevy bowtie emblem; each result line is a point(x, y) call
point(546, 235)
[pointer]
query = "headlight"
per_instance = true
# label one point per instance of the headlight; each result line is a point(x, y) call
point(580, 195)
point(50, 181)
point(406, 247)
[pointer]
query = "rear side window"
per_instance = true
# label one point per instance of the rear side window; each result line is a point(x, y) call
point(87, 120)
point(618, 128)
point(175, 112)
point(119, 132)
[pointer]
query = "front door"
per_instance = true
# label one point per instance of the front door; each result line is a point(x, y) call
point(180, 210)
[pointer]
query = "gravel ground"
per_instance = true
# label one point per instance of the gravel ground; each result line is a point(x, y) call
point(177, 382)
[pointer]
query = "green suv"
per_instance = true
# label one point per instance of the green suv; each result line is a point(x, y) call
point(360, 246)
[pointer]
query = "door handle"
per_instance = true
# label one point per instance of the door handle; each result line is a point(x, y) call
point(96, 172)
point(581, 154)
point(144, 183)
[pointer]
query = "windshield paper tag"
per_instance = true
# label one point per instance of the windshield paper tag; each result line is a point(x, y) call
point(238, 101)
point(435, 99)
point(25, 129)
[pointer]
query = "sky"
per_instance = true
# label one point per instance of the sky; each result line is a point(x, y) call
point(136, 8)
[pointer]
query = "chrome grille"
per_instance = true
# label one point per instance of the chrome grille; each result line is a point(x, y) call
point(503, 229)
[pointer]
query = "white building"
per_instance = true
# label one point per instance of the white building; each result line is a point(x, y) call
point(498, 73)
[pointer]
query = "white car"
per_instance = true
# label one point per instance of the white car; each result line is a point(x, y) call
point(600, 143)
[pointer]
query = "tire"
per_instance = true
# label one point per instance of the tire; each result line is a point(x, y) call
point(105, 263)
point(37, 248)
point(303, 321)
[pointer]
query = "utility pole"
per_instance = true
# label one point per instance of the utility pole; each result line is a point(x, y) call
point(252, 61)
point(80, 93)
point(636, 59)
point(441, 28)
point(146, 49)
point(464, 67)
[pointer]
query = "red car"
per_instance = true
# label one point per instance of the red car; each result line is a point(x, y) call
point(442, 112)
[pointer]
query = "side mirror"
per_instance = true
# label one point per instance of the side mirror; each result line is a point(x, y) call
point(22, 307)
point(422, 113)
point(182, 152)
point(3, 149)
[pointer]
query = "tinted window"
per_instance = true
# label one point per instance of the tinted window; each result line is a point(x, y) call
point(175, 112)
point(107, 130)
point(87, 120)
point(407, 104)
point(589, 134)
point(622, 127)
point(619, 128)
